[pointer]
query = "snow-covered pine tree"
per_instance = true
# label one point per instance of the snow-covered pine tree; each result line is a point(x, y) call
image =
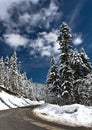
point(85, 90)
point(52, 74)
point(89, 89)
point(14, 73)
point(25, 87)
point(65, 71)
point(87, 68)
point(76, 64)
point(21, 85)
point(82, 67)
point(29, 90)
point(80, 63)
point(7, 72)
point(53, 84)
point(2, 71)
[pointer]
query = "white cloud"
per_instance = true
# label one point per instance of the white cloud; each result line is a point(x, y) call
point(50, 37)
point(36, 19)
point(78, 40)
point(43, 17)
point(46, 44)
point(24, 18)
point(15, 40)
point(5, 4)
point(56, 47)
point(52, 10)
point(51, 13)
point(34, 1)
point(46, 51)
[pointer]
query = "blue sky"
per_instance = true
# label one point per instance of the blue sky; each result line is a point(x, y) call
point(31, 28)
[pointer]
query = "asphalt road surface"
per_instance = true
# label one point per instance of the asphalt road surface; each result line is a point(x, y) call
point(24, 119)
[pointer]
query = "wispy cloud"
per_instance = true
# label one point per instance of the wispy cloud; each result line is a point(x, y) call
point(76, 13)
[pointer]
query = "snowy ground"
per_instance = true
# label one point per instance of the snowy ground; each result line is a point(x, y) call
point(8, 101)
point(75, 115)
point(70, 114)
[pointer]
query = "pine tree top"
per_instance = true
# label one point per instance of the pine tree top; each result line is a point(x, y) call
point(65, 34)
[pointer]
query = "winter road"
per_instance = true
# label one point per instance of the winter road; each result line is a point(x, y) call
point(23, 119)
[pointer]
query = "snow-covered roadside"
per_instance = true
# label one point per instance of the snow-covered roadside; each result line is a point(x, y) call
point(75, 115)
point(8, 101)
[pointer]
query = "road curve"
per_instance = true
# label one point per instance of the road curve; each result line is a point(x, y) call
point(24, 119)
point(12, 120)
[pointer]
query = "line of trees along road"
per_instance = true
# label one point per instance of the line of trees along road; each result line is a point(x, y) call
point(12, 79)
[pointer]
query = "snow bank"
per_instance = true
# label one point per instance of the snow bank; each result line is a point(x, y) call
point(8, 101)
point(75, 115)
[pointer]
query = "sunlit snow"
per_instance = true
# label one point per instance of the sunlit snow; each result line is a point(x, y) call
point(8, 101)
point(75, 115)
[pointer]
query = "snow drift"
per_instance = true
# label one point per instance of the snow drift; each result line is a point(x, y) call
point(75, 115)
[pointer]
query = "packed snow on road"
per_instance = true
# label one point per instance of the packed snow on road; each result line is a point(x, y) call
point(75, 115)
